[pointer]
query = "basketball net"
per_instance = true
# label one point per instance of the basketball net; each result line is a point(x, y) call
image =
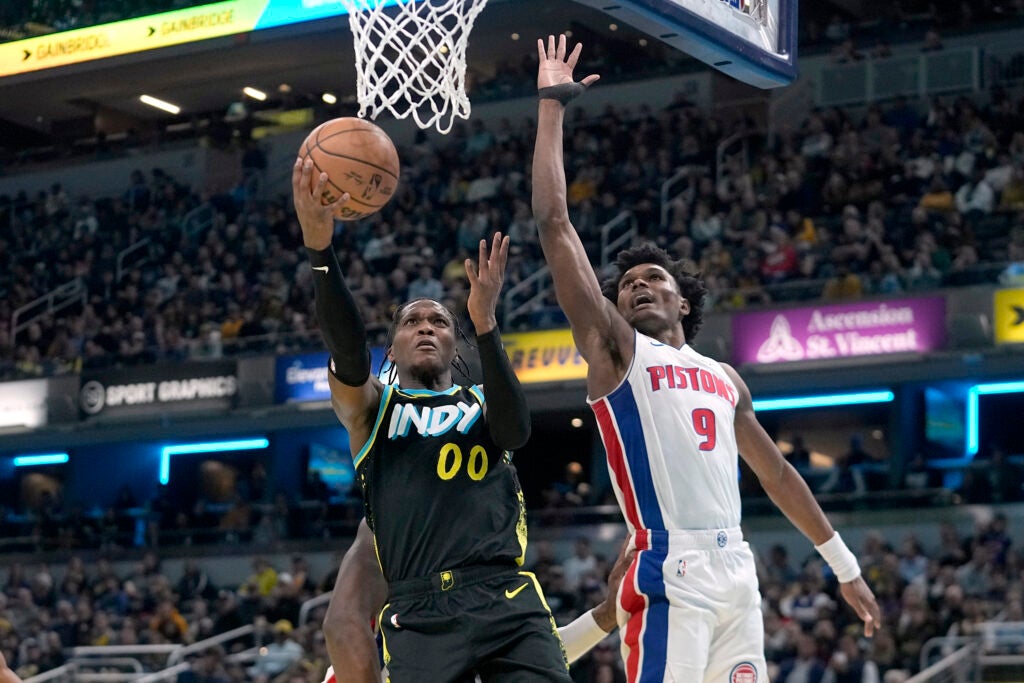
point(411, 59)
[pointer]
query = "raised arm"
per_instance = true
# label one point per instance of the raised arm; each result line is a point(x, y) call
point(355, 392)
point(508, 416)
point(595, 322)
point(358, 597)
point(790, 493)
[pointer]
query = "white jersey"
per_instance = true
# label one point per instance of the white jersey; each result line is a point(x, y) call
point(671, 442)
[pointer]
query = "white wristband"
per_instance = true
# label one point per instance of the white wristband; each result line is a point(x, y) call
point(581, 635)
point(843, 562)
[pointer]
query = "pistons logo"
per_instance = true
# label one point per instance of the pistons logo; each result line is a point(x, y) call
point(744, 672)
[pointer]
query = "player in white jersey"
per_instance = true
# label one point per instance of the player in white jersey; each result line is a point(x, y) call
point(674, 423)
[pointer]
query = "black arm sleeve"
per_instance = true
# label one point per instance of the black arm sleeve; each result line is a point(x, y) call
point(508, 416)
point(340, 323)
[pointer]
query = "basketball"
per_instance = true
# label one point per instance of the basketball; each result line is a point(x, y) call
point(359, 158)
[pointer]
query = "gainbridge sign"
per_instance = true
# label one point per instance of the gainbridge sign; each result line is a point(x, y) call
point(1008, 307)
point(547, 356)
point(212, 20)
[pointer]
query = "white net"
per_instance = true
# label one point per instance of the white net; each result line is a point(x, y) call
point(411, 58)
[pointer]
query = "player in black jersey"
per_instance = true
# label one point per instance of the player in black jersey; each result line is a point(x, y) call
point(434, 460)
point(360, 593)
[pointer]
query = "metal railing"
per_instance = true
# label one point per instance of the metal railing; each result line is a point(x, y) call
point(959, 667)
point(57, 299)
point(913, 75)
point(123, 255)
point(616, 233)
point(310, 605)
point(668, 193)
point(667, 188)
point(197, 219)
point(166, 674)
point(114, 650)
point(171, 673)
point(533, 287)
point(57, 674)
point(722, 152)
point(233, 634)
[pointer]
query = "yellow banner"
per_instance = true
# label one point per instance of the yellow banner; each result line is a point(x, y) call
point(130, 35)
point(1008, 306)
point(548, 356)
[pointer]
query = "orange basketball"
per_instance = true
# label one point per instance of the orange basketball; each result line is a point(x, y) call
point(359, 158)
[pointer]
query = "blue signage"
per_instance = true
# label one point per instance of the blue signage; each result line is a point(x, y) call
point(302, 378)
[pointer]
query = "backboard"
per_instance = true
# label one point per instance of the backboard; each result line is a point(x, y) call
point(751, 40)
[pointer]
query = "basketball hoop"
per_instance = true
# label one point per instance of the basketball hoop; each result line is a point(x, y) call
point(411, 58)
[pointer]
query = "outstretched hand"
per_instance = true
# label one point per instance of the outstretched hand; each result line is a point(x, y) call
point(555, 67)
point(315, 218)
point(485, 280)
point(862, 600)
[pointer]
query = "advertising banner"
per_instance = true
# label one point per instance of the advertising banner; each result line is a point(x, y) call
point(547, 356)
point(302, 378)
point(158, 389)
point(23, 404)
point(840, 331)
point(208, 20)
point(1008, 312)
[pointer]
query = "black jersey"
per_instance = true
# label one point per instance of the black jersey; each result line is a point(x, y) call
point(439, 494)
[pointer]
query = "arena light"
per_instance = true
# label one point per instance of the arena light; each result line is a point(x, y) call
point(163, 105)
point(824, 401)
point(972, 408)
point(254, 93)
point(41, 459)
point(205, 447)
point(329, 98)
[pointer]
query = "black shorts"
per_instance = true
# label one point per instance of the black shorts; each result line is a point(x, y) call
point(486, 621)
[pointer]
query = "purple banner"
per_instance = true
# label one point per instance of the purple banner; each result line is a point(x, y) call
point(839, 331)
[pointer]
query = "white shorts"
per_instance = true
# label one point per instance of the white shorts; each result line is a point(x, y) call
point(693, 608)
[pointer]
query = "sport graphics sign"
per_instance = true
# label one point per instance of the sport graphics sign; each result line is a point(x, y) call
point(157, 389)
point(302, 378)
point(840, 331)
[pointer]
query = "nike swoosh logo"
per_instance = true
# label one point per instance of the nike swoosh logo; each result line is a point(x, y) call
point(511, 594)
point(1019, 312)
point(323, 268)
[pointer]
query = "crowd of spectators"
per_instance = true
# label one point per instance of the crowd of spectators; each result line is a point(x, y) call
point(826, 26)
point(947, 590)
point(924, 592)
point(902, 199)
point(45, 611)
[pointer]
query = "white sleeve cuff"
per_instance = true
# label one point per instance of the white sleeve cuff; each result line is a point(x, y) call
point(581, 635)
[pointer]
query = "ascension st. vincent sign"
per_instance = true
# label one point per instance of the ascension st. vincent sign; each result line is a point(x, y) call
point(840, 331)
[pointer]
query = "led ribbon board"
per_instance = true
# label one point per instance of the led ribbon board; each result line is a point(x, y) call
point(205, 447)
point(824, 401)
point(973, 428)
point(41, 459)
point(213, 20)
